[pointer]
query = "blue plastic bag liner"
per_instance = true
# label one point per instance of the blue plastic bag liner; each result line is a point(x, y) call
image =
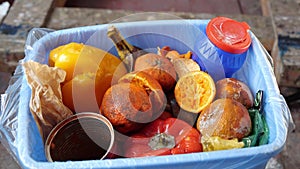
point(22, 138)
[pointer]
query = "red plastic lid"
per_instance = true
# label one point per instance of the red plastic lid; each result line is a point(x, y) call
point(229, 35)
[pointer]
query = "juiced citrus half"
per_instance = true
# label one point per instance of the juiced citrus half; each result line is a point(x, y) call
point(194, 91)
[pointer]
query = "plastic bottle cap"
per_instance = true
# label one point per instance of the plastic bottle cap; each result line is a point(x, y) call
point(229, 35)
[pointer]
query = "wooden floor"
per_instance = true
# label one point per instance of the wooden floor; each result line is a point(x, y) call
point(195, 6)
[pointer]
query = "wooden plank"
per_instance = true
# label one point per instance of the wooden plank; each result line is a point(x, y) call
point(287, 22)
point(266, 8)
point(195, 6)
point(60, 3)
point(285, 7)
point(4, 7)
point(288, 26)
point(76, 17)
point(215, 7)
point(291, 76)
point(22, 16)
point(30, 12)
point(252, 7)
point(290, 54)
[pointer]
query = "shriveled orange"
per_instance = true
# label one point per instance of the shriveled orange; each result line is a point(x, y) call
point(151, 86)
point(158, 67)
point(194, 91)
point(225, 118)
point(136, 100)
point(234, 89)
point(126, 106)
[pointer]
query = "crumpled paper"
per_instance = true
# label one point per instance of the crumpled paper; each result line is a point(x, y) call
point(46, 103)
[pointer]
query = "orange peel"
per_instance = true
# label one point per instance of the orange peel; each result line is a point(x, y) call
point(194, 91)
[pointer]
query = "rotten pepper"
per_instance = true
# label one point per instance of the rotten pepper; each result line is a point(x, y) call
point(164, 136)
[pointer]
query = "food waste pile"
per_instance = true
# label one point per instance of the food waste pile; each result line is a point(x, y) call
point(159, 103)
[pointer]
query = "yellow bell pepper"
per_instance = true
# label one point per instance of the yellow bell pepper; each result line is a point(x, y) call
point(89, 69)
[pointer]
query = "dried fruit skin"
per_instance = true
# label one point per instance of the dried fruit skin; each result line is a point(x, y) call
point(184, 66)
point(127, 107)
point(178, 137)
point(151, 86)
point(194, 91)
point(234, 89)
point(225, 118)
point(158, 67)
